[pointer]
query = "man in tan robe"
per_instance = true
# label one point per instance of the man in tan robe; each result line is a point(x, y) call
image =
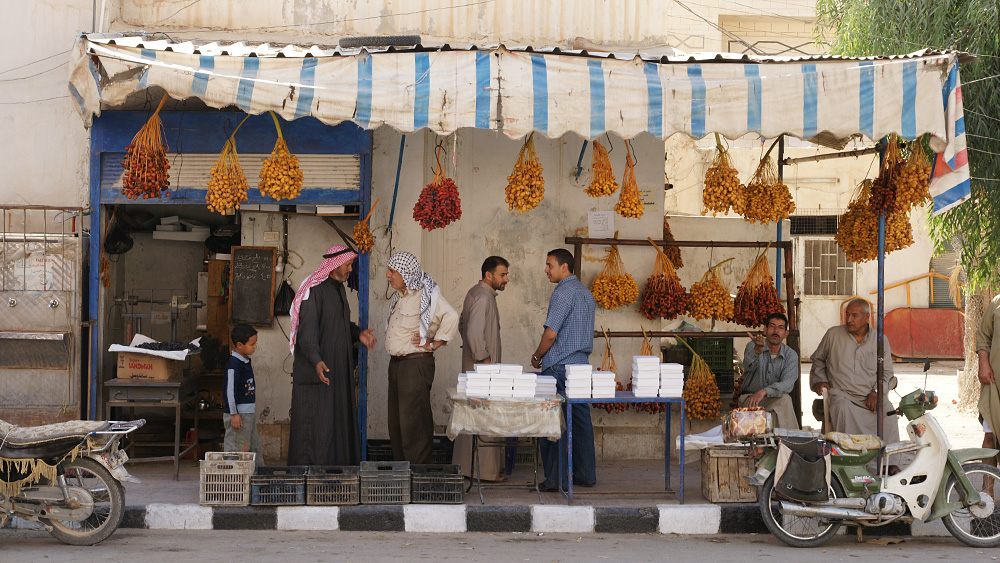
point(479, 326)
point(988, 350)
point(844, 363)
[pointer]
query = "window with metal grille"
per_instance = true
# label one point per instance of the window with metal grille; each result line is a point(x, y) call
point(827, 269)
point(814, 224)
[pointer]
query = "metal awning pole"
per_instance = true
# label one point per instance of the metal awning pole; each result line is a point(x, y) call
point(880, 346)
point(395, 190)
point(777, 252)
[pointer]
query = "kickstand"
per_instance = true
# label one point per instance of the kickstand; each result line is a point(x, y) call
point(861, 534)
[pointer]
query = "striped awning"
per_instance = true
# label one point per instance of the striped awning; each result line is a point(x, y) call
point(827, 100)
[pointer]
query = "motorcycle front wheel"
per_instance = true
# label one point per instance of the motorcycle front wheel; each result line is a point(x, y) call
point(963, 524)
point(109, 504)
point(796, 531)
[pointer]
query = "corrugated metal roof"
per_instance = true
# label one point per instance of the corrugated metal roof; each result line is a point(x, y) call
point(241, 49)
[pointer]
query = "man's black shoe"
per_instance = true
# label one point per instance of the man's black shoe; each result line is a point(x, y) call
point(582, 484)
point(545, 488)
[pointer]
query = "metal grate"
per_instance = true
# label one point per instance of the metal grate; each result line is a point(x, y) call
point(813, 224)
point(827, 269)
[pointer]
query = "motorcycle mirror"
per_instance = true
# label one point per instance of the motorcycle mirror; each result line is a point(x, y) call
point(927, 364)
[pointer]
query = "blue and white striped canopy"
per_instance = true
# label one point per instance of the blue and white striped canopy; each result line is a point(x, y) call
point(826, 100)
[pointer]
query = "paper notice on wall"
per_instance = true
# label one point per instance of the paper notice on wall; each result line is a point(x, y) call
point(39, 272)
point(601, 224)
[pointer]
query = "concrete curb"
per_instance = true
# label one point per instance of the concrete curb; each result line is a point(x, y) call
point(698, 519)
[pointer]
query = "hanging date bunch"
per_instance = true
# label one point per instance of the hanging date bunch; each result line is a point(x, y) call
point(710, 298)
point(145, 161)
point(614, 287)
point(438, 205)
point(767, 199)
point(602, 177)
point(608, 364)
point(702, 399)
point(913, 180)
point(723, 190)
point(857, 228)
point(280, 175)
point(883, 190)
point(663, 297)
point(362, 233)
point(525, 185)
point(673, 252)
point(647, 350)
point(227, 187)
point(630, 201)
point(757, 296)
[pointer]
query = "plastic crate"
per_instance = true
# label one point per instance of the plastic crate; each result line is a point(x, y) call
point(436, 484)
point(225, 478)
point(717, 352)
point(725, 379)
point(278, 486)
point(385, 482)
point(379, 451)
point(333, 485)
point(442, 450)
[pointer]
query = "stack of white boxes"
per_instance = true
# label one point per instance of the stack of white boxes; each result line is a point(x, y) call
point(502, 380)
point(603, 384)
point(463, 384)
point(545, 386)
point(645, 376)
point(524, 383)
point(479, 382)
point(671, 380)
point(578, 381)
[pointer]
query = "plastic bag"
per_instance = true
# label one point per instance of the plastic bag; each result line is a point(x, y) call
point(283, 299)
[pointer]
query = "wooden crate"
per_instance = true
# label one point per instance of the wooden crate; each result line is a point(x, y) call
point(722, 472)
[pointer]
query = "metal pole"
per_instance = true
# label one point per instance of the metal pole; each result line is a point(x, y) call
point(395, 190)
point(777, 252)
point(880, 360)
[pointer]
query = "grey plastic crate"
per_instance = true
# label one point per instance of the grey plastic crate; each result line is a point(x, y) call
point(385, 482)
point(278, 486)
point(436, 484)
point(333, 485)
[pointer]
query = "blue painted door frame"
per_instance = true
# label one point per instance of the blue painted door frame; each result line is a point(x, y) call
point(206, 132)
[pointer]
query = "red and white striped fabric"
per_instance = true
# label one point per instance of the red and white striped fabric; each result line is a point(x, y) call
point(950, 182)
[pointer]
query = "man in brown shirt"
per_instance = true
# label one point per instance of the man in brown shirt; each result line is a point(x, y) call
point(844, 364)
point(479, 326)
point(420, 321)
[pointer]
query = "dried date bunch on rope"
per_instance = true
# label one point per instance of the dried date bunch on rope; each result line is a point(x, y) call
point(647, 350)
point(614, 287)
point(362, 233)
point(630, 201)
point(227, 187)
point(702, 399)
point(438, 204)
point(673, 252)
point(883, 190)
point(757, 296)
point(145, 161)
point(280, 174)
point(602, 177)
point(723, 190)
point(608, 364)
point(767, 199)
point(857, 228)
point(663, 297)
point(710, 298)
point(913, 180)
point(525, 185)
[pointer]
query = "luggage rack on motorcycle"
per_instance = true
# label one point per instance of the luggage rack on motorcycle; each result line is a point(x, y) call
point(116, 428)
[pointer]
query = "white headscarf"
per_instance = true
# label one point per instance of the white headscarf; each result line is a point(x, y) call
point(415, 278)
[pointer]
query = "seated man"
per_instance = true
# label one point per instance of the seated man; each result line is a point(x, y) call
point(770, 371)
point(844, 363)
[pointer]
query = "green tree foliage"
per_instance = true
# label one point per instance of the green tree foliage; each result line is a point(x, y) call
point(876, 27)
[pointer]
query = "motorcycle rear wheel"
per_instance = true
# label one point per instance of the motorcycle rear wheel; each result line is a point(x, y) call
point(109, 504)
point(965, 526)
point(796, 531)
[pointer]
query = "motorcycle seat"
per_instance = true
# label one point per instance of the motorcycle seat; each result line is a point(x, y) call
point(854, 441)
point(50, 440)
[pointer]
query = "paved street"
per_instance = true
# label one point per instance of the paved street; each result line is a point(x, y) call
point(291, 547)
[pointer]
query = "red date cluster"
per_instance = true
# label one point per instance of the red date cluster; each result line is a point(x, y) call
point(438, 205)
point(145, 172)
point(755, 302)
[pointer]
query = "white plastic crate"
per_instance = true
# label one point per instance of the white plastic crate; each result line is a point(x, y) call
point(225, 478)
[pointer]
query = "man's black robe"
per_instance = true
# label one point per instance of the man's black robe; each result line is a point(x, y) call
point(324, 428)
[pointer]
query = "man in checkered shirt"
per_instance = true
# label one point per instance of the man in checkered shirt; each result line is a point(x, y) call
point(568, 339)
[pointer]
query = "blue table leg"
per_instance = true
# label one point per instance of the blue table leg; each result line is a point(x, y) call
point(682, 452)
point(666, 461)
point(569, 450)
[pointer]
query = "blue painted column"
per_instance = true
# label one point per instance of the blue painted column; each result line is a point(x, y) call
point(880, 360)
point(777, 251)
point(364, 294)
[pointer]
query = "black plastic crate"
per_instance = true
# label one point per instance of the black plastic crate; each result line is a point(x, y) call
point(385, 482)
point(717, 352)
point(442, 450)
point(436, 484)
point(333, 485)
point(278, 486)
point(379, 450)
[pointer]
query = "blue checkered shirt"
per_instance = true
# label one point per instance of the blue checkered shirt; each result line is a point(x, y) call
point(571, 316)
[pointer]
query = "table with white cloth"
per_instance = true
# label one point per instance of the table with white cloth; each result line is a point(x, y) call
point(505, 417)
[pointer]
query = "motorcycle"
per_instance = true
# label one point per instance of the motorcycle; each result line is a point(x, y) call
point(67, 477)
point(940, 483)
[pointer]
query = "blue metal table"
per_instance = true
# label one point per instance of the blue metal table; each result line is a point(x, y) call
point(628, 397)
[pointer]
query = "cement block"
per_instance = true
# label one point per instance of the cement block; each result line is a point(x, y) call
point(571, 519)
point(178, 517)
point(695, 519)
point(444, 518)
point(309, 518)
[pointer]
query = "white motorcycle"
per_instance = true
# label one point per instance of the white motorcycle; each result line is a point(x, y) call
point(67, 477)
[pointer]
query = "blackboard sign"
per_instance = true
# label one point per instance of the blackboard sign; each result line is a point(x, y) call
point(251, 285)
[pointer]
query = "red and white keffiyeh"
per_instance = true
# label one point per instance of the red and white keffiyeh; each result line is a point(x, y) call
point(319, 276)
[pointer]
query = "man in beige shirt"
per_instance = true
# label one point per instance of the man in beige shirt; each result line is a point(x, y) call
point(420, 321)
point(988, 350)
point(844, 364)
point(479, 326)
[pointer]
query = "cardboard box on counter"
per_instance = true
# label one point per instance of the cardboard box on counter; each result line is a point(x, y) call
point(132, 365)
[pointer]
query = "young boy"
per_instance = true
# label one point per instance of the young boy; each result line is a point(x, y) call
point(239, 396)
